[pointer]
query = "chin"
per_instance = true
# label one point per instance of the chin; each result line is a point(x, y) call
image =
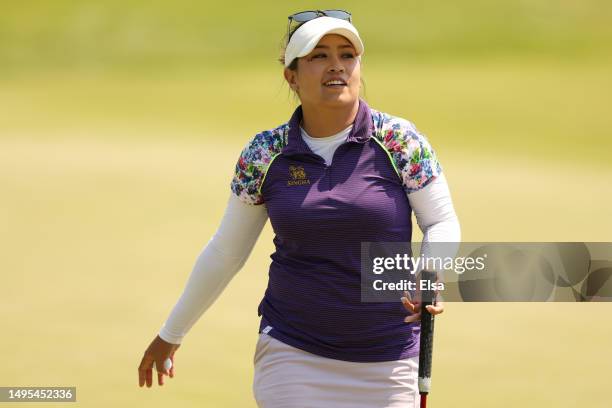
point(339, 100)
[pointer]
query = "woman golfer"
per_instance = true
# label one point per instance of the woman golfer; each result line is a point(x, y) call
point(337, 174)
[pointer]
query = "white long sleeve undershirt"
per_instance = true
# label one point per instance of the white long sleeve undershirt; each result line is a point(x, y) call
point(221, 258)
point(230, 247)
point(326, 146)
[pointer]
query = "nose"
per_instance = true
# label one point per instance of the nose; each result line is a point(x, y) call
point(336, 65)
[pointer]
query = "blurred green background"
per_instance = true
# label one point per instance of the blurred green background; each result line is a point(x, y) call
point(120, 124)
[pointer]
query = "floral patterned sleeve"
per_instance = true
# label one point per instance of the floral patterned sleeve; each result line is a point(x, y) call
point(412, 155)
point(253, 164)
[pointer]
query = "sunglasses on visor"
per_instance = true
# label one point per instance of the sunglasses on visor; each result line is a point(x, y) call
point(297, 19)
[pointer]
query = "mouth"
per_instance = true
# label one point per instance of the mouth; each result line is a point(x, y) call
point(334, 83)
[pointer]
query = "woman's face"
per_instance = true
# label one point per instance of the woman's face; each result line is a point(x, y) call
point(334, 57)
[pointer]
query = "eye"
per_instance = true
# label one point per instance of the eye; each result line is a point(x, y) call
point(348, 55)
point(318, 55)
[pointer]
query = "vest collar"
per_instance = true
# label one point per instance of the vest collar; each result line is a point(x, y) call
point(360, 133)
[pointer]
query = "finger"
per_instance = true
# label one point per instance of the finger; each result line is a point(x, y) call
point(434, 310)
point(145, 364)
point(172, 368)
point(415, 302)
point(407, 304)
point(141, 378)
point(149, 377)
point(160, 378)
point(413, 318)
point(160, 368)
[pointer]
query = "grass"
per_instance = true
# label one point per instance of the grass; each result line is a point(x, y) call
point(119, 129)
point(538, 109)
point(144, 36)
point(100, 237)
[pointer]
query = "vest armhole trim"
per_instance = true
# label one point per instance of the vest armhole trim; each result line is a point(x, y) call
point(389, 156)
point(263, 179)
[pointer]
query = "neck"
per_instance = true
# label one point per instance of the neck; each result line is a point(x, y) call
point(324, 121)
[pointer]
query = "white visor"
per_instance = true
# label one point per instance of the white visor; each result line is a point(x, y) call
point(307, 36)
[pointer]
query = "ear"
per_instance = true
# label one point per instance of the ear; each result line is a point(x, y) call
point(291, 78)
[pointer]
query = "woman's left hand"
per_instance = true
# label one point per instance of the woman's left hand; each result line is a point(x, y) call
point(415, 308)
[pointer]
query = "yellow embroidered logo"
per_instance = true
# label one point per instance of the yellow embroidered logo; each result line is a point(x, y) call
point(297, 176)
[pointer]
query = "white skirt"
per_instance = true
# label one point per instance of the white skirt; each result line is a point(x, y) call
point(287, 377)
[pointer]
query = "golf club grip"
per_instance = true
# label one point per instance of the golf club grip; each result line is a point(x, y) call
point(427, 333)
point(426, 345)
